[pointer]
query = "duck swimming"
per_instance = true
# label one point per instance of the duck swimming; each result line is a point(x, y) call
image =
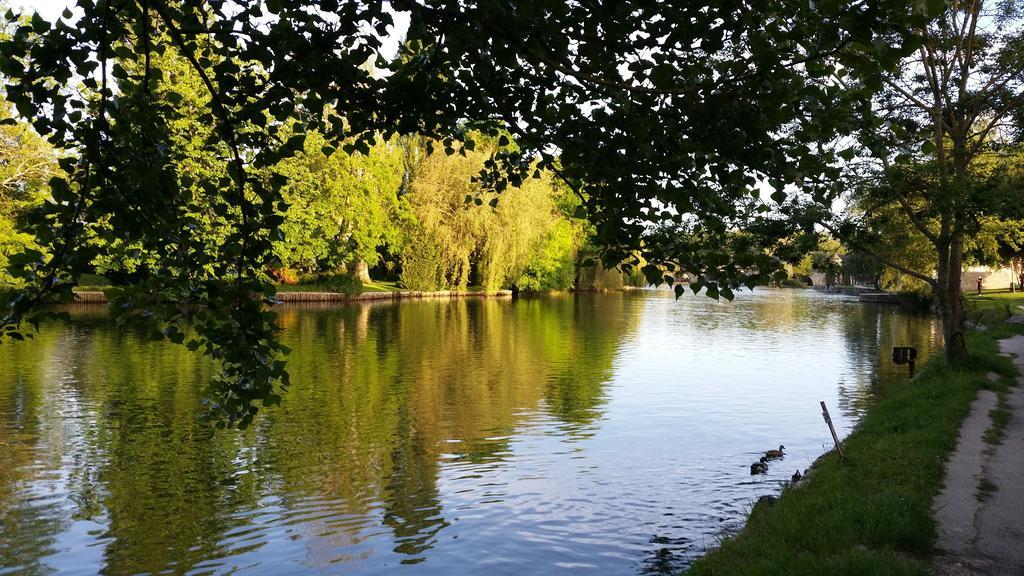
point(759, 467)
point(774, 454)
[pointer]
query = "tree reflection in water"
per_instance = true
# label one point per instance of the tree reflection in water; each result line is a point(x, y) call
point(472, 435)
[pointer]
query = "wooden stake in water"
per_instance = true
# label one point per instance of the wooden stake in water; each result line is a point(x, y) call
point(832, 429)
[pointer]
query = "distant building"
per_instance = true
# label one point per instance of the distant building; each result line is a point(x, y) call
point(991, 278)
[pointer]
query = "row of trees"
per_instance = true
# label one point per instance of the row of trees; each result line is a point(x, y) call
point(888, 236)
point(410, 213)
point(397, 208)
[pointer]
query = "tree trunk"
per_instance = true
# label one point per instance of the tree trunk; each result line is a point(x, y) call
point(361, 271)
point(948, 293)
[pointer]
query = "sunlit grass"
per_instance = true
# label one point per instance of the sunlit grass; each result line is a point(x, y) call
point(996, 295)
point(381, 286)
point(92, 283)
point(993, 306)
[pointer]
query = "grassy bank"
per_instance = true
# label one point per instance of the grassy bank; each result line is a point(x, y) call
point(993, 306)
point(341, 286)
point(872, 513)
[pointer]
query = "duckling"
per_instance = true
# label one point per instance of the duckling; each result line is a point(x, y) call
point(759, 467)
point(774, 454)
point(797, 476)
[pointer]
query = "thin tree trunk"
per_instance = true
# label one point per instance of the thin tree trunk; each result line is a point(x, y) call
point(948, 293)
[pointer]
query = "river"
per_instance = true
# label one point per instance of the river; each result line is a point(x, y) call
point(594, 433)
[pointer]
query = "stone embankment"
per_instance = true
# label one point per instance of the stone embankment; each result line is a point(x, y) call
point(287, 297)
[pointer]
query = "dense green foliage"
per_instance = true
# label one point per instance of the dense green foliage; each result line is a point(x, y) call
point(342, 207)
point(26, 163)
point(528, 239)
point(870, 514)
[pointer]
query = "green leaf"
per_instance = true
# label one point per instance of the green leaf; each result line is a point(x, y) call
point(39, 24)
point(663, 75)
point(936, 8)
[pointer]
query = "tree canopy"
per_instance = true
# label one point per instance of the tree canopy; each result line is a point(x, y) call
point(939, 143)
point(650, 112)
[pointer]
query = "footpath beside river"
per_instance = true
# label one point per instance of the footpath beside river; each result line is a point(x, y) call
point(980, 512)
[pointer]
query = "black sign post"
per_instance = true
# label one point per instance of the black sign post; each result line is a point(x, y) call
point(905, 355)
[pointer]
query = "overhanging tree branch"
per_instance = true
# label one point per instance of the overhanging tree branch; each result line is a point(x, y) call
point(872, 253)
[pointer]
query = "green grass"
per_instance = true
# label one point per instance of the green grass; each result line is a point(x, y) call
point(349, 287)
point(992, 306)
point(985, 489)
point(1000, 416)
point(381, 286)
point(92, 283)
point(341, 284)
point(871, 514)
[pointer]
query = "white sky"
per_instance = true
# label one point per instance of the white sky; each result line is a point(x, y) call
point(52, 9)
point(49, 9)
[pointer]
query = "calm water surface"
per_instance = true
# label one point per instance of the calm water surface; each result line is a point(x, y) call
point(601, 434)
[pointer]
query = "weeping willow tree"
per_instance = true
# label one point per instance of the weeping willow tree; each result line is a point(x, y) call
point(525, 239)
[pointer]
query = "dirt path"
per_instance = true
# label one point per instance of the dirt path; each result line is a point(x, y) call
point(980, 512)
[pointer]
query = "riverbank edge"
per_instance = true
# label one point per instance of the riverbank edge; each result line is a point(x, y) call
point(289, 297)
point(100, 297)
point(872, 513)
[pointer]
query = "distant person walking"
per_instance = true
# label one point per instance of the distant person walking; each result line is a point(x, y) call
point(979, 284)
